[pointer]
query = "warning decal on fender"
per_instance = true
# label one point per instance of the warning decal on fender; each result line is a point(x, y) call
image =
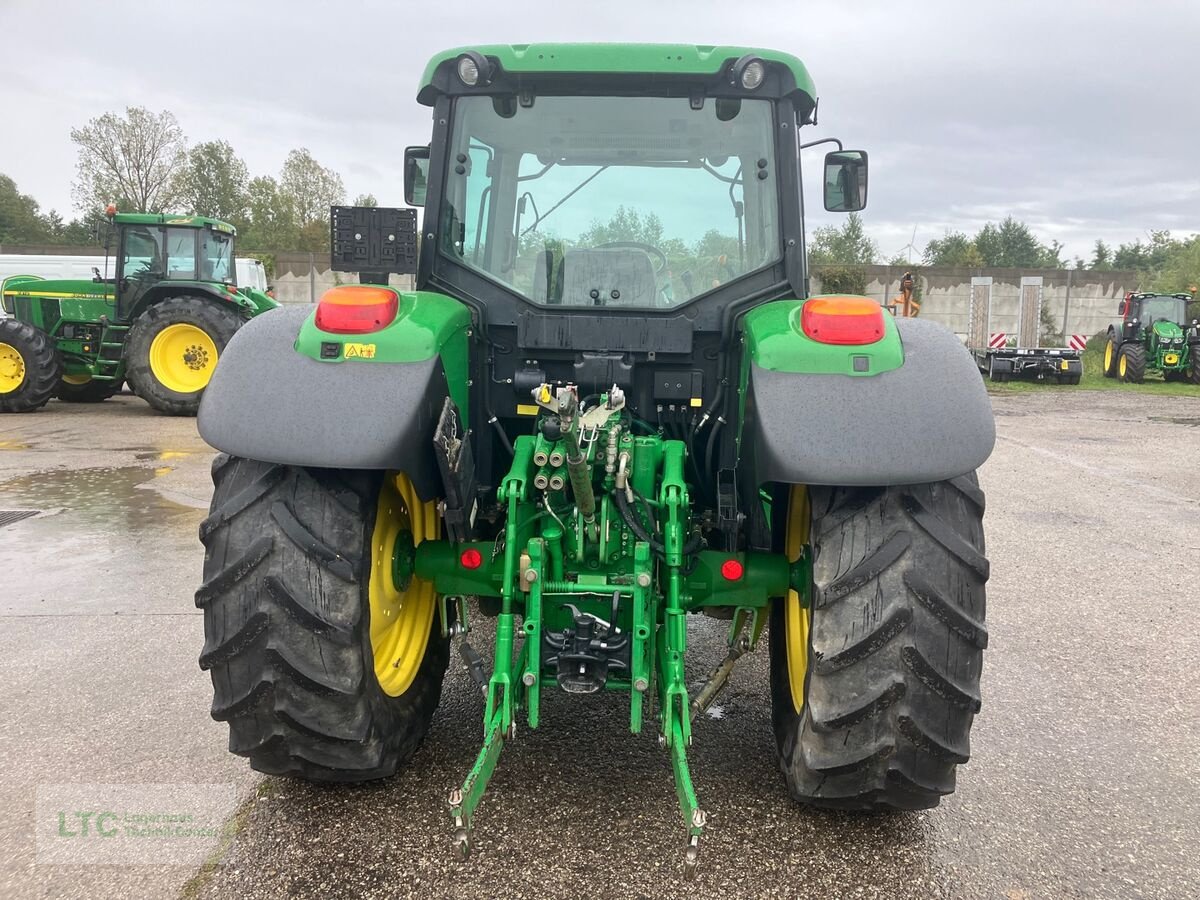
point(360, 351)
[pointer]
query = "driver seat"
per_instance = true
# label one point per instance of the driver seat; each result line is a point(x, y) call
point(628, 272)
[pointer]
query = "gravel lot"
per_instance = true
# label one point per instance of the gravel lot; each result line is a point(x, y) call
point(1083, 780)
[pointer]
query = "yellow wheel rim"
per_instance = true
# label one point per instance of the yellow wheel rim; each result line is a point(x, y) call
point(1108, 353)
point(76, 379)
point(400, 619)
point(797, 621)
point(1124, 361)
point(182, 358)
point(12, 369)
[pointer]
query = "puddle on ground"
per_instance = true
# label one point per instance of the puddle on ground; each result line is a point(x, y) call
point(105, 496)
point(1193, 421)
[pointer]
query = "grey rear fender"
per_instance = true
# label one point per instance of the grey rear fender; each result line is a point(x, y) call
point(928, 420)
point(268, 402)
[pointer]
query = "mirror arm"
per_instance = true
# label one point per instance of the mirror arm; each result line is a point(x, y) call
point(828, 140)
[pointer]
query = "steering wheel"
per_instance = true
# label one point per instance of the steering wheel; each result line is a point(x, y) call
point(638, 245)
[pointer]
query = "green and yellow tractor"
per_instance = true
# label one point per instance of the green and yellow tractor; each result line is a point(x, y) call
point(159, 323)
point(608, 406)
point(1152, 334)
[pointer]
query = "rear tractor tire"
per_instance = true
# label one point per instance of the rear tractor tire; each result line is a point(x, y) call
point(1112, 353)
point(29, 367)
point(323, 666)
point(1194, 368)
point(875, 688)
point(82, 389)
point(1131, 366)
point(172, 351)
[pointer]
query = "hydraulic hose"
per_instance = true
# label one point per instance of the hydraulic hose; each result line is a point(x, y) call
point(630, 519)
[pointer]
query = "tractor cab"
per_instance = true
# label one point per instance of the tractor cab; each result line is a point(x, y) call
point(1148, 308)
point(613, 228)
point(157, 249)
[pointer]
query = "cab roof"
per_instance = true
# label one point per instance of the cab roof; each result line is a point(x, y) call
point(172, 219)
point(650, 59)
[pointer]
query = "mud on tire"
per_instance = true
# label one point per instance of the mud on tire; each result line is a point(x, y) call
point(896, 650)
point(287, 629)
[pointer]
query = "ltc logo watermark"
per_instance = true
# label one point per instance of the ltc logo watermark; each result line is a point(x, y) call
point(134, 824)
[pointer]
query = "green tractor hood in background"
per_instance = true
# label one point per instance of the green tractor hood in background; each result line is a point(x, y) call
point(1167, 331)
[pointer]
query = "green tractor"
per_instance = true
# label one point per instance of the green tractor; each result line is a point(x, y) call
point(1153, 335)
point(159, 324)
point(608, 415)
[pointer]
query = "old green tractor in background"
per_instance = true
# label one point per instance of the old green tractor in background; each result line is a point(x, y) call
point(609, 405)
point(159, 323)
point(1153, 335)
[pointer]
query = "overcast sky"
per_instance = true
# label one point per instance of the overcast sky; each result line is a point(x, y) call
point(1081, 118)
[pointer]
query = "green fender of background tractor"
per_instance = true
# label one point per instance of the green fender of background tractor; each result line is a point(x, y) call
point(914, 410)
point(347, 401)
point(249, 301)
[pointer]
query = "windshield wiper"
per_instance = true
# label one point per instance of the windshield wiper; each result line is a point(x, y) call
point(575, 190)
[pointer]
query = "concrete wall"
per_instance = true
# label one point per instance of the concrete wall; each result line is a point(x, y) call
point(1078, 301)
point(304, 277)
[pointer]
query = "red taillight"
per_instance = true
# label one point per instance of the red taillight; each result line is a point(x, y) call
point(356, 309)
point(732, 570)
point(471, 558)
point(842, 320)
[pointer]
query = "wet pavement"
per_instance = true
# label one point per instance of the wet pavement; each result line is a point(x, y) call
point(1083, 780)
point(98, 631)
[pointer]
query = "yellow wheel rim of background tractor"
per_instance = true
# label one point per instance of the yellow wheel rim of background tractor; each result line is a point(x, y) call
point(12, 369)
point(1108, 355)
point(797, 621)
point(76, 379)
point(1123, 365)
point(400, 620)
point(182, 358)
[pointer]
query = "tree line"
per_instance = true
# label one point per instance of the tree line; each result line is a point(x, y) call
point(142, 162)
point(1163, 262)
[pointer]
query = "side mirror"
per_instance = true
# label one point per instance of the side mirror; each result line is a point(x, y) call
point(1121, 309)
point(416, 175)
point(845, 180)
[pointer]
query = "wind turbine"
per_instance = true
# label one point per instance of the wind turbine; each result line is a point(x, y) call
point(908, 248)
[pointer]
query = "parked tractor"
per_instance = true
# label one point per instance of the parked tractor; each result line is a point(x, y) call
point(1153, 335)
point(589, 434)
point(159, 323)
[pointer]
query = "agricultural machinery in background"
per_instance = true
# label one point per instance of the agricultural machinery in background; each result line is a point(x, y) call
point(1153, 334)
point(159, 322)
point(1002, 356)
point(608, 405)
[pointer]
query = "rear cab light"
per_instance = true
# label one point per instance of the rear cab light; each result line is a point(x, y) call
point(357, 309)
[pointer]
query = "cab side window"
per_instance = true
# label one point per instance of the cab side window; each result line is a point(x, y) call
point(143, 255)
